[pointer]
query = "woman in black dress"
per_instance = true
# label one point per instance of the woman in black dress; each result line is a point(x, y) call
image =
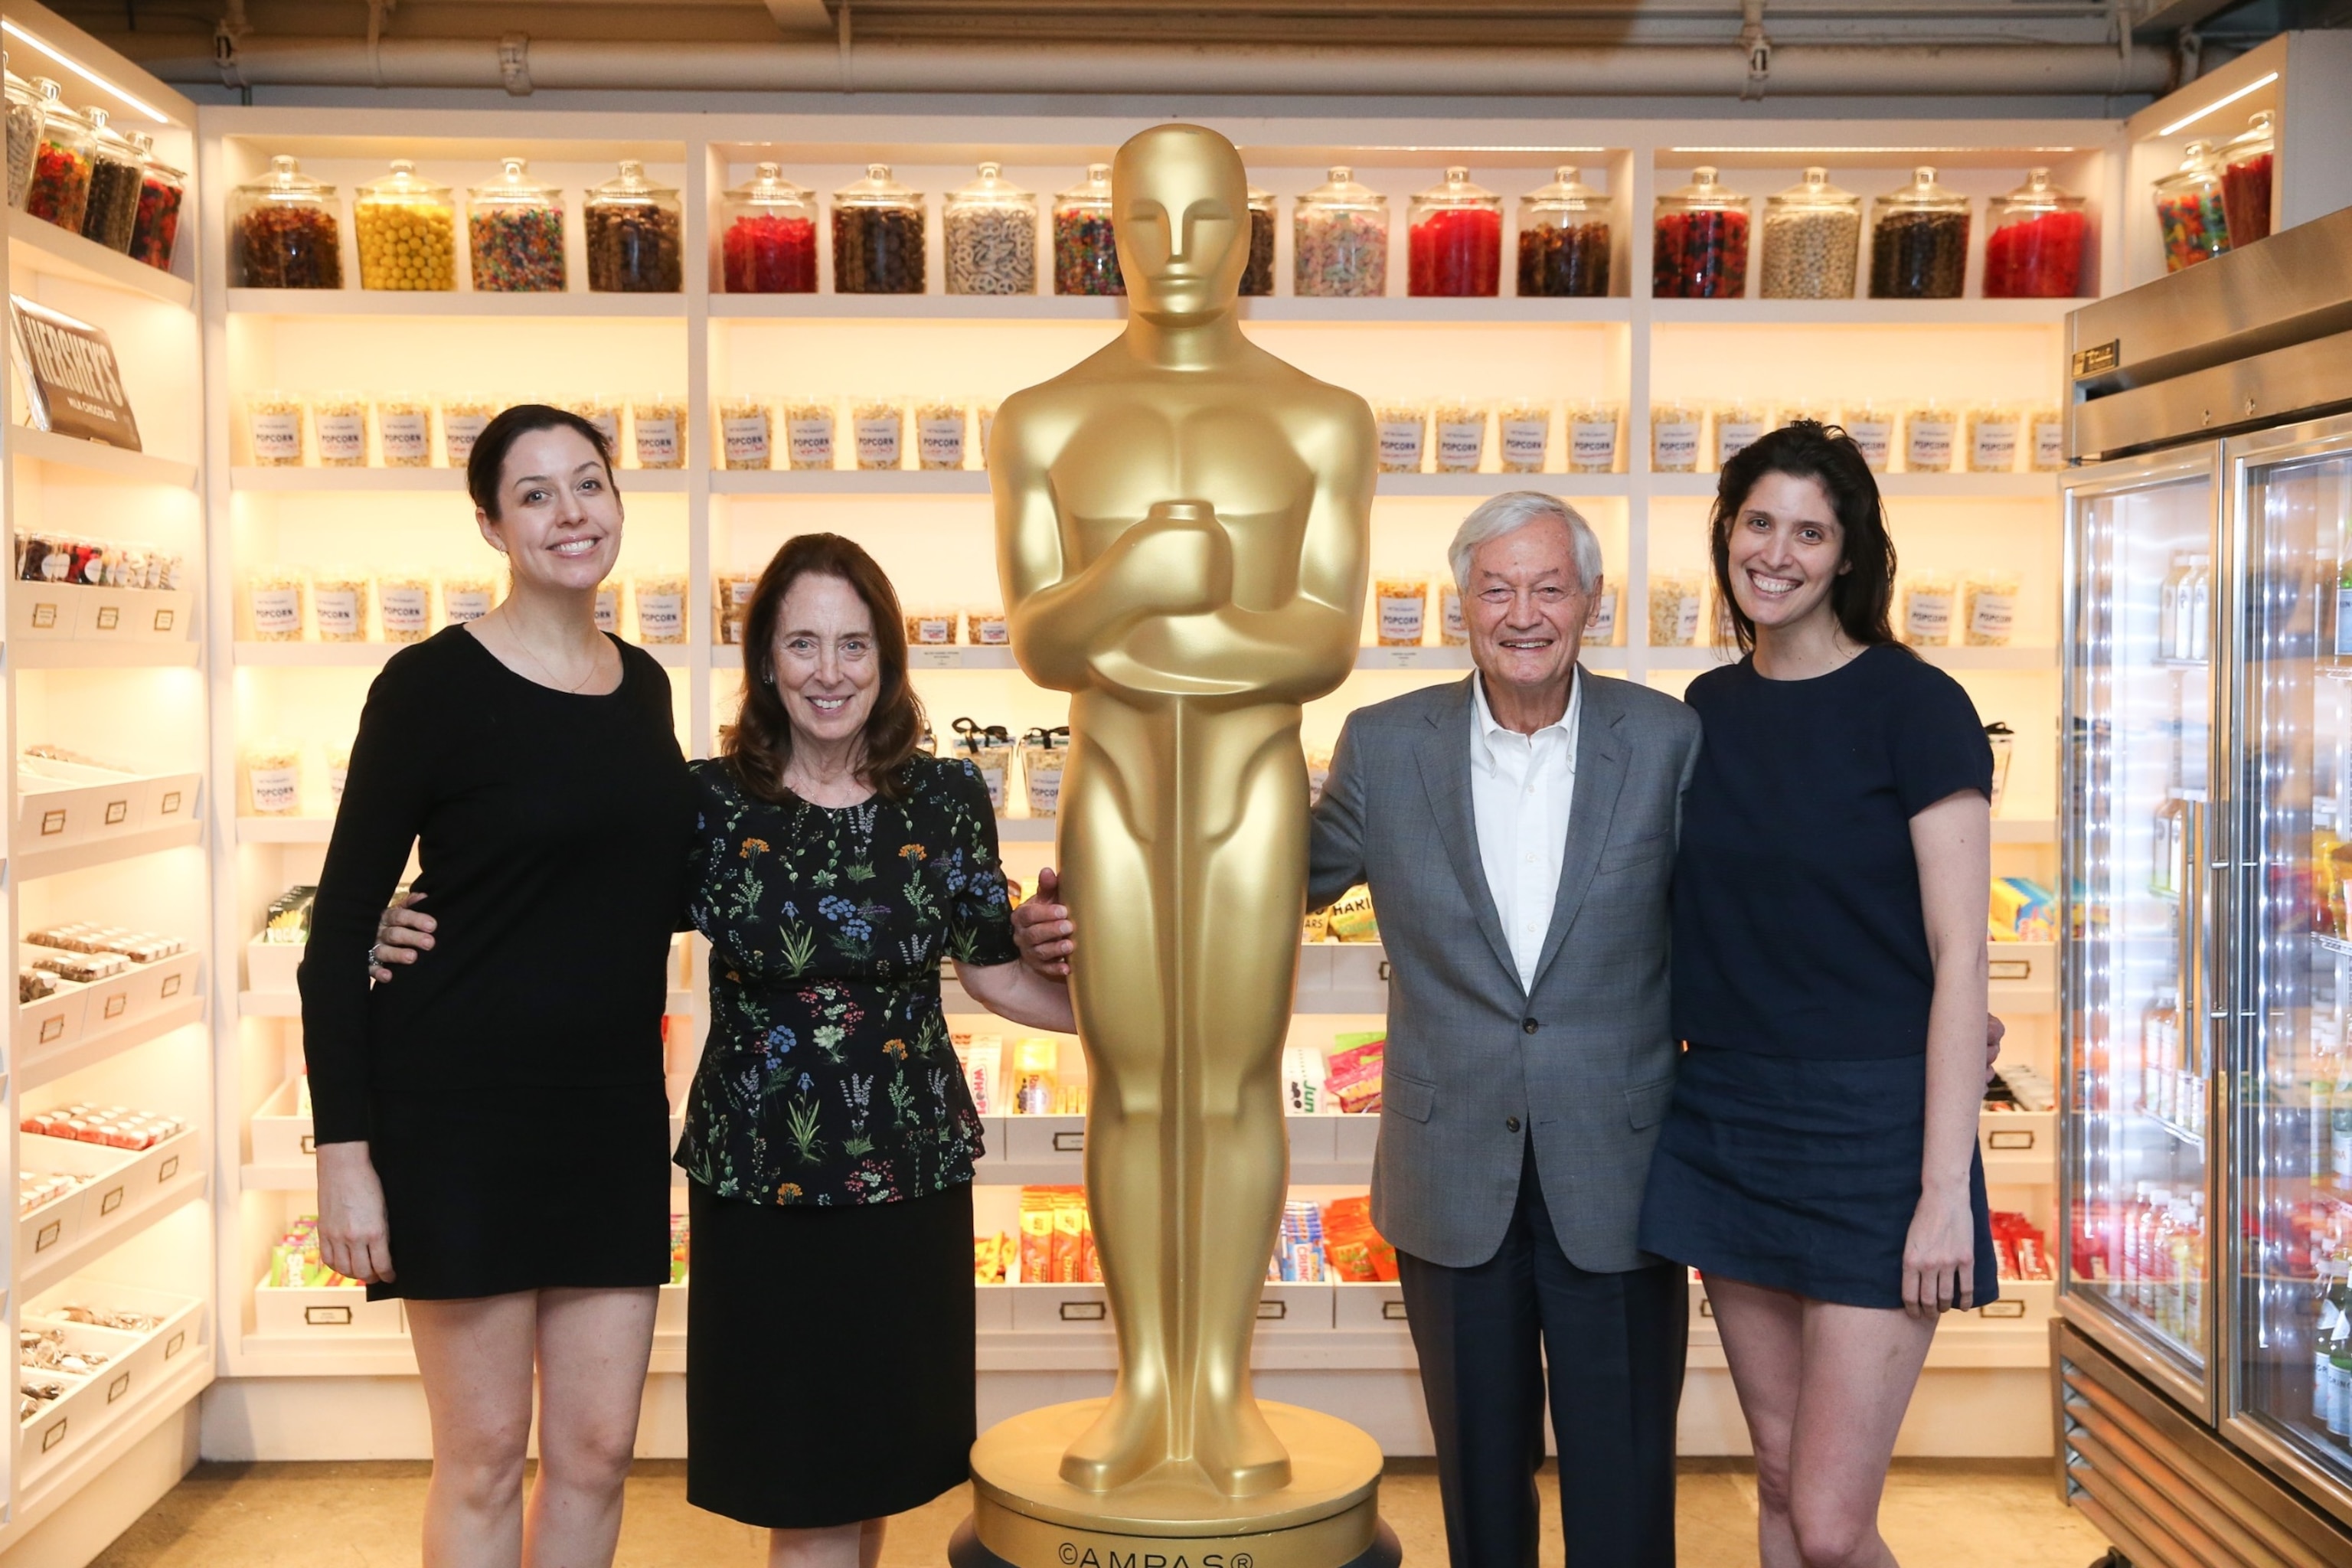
point(492, 1133)
point(1819, 1164)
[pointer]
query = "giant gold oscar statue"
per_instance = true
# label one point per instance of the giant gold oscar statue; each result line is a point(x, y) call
point(1181, 531)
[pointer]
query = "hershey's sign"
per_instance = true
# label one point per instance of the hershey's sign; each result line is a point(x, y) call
point(72, 386)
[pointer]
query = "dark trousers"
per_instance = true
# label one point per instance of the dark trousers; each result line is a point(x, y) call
point(1614, 1343)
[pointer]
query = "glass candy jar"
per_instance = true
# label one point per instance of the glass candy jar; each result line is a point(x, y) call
point(1340, 239)
point(2034, 241)
point(990, 229)
point(514, 233)
point(406, 226)
point(2246, 161)
point(283, 232)
point(1700, 241)
point(2188, 210)
point(1454, 239)
point(57, 189)
point(635, 234)
point(877, 235)
point(23, 135)
point(1258, 278)
point(1564, 239)
point(1812, 240)
point(115, 170)
point(1086, 246)
point(769, 246)
point(155, 232)
point(1919, 241)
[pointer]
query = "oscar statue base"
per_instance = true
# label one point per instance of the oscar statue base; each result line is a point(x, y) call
point(1025, 1516)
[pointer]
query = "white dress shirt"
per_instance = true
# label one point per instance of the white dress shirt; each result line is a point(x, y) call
point(1521, 787)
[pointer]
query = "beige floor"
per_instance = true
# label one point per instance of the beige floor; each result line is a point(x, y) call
point(1937, 1514)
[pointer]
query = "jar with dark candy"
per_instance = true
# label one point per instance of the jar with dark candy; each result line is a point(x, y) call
point(877, 235)
point(162, 188)
point(283, 232)
point(1919, 241)
point(2035, 238)
point(990, 228)
point(1700, 241)
point(635, 234)
point(1258, 278)
point(1085, 249)
point(1564, 239)
point(2246, 161)
point(23, 135)
point(2190, 214)
point(115, 172)
point(1454, 235)
point(769, 246)
point(514, 233)
point(57, 190)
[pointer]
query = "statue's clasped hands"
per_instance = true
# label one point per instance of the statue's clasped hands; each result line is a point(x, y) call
point(1178, 560)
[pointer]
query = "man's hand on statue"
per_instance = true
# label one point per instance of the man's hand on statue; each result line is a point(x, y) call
point(1042, 929)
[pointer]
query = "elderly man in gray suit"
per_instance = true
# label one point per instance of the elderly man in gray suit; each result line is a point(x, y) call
point(1516, 830)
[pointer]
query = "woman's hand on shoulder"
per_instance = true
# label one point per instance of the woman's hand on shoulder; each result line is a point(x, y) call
point(401, 933)
point(355, 1237)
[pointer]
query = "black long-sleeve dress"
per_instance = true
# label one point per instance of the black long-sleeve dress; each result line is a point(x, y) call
point(511, 1089)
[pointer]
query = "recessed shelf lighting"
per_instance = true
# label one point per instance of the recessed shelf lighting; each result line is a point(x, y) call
point(14, 31)
point(2255, 86)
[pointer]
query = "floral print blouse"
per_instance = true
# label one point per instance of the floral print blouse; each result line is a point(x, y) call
point(828, 1076)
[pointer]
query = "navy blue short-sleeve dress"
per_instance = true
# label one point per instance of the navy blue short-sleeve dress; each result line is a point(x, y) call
point(1790, 1157)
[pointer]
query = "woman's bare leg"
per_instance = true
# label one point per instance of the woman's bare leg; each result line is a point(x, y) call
point(593, 1347)
point(1763, 1334)
point(476, 1359)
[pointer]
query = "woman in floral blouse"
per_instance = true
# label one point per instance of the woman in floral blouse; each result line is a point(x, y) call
point(829, 1136)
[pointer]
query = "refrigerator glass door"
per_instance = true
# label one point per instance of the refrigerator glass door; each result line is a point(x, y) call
point(2139, 1048)
point(2292, 1132)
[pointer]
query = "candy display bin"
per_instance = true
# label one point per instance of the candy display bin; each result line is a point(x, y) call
point(323, 1313)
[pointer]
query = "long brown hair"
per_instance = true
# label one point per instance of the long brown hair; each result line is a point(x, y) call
point(760, 742)
point(1859, 595)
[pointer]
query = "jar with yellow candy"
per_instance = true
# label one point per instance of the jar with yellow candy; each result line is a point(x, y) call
point(407, 231)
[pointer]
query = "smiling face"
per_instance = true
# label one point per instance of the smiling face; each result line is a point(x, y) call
point(1525, 607)
point(1181, 205)
point(1785, 551)
point(828, 663)
point(558, 523)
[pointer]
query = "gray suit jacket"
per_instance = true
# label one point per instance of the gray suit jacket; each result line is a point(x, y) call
point(1585, 1065)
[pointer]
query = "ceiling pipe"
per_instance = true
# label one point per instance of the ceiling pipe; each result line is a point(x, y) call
point(1797, 69)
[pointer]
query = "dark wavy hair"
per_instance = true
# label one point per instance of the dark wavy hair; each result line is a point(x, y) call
point(1861, 595)
point(759, 743)
point(489, 458)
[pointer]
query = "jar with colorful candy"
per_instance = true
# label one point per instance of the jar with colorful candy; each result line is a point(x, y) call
point(514, 233)
point(1085, 250)
point(1340, 239)
point(2246, 160)
point(23, 135)
point(990, 229)
point(115, 171)
point(1812, 240)
point(1700, 241)
point(1919, 241)
point(1564, 239)
point(877, 235)
point(407, 231)
point(1258, 278)
point(635, 232)
point(57, 190)
point(770, 243)
point(283, 232)
point(162, 188)
point(2189, 210)
point(1454, 237)
point(2035, 238)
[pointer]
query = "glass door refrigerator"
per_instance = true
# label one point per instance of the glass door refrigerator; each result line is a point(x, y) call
point(2202, 1362)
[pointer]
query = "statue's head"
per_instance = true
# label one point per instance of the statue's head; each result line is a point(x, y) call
point(1179, 200)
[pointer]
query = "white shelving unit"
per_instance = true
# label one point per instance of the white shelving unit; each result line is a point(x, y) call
point(144, 1224)
point(1343, 1346)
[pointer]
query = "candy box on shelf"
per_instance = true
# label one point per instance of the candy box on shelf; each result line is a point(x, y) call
point(107, 1358)
point(1291, 1306)
point(1378, 1304)
point(281, 1128)
point(166, 983)
point(1036, 1138)
point(123, 1182)
point(53, 1022)
point(324, 1311)
point(47, 1228)
point(269, 966)
point(55, 1426)
point(1061, 1308)
point(169, 1329)
point(132, 615)
point(44, 612)
point(72, 803)
point(171, 799)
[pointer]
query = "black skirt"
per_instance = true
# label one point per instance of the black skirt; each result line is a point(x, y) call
point(829, 1358)
point(484, 1195)
point(1798, 1175)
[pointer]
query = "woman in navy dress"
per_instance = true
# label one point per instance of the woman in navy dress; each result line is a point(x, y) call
point(1819, 1165)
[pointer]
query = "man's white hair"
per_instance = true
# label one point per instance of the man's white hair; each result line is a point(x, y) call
point(1514, 509)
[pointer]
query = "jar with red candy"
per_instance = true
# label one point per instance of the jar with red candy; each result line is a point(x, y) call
point(162, 188)
point(2246, 160)
point(2035, 240)
point(283, 232)
point(1454, 234)
point(770, 243)
point(58, 190)
point(1700, 238)
point(2189, 212)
